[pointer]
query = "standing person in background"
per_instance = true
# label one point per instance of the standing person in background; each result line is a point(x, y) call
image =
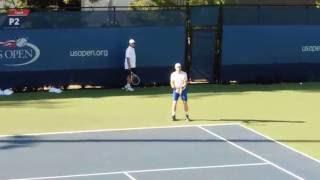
point(130, 63)
point(179, 82)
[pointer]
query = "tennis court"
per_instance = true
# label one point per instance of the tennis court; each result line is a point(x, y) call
point(221, 151)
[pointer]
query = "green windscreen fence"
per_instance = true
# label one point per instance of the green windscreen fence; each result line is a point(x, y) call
point(204, 21)
point(100, 19)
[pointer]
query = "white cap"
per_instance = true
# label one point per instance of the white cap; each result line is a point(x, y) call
point(132, 41)
point(177, 65)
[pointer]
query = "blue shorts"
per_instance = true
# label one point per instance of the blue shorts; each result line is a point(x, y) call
point(184, 95)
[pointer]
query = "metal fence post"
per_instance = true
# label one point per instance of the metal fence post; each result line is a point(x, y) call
point(218, 51)
point(188, 39)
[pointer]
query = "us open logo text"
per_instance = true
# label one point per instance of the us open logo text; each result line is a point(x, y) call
point(18, 52)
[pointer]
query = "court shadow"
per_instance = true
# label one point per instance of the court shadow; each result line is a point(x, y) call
point(197, 91)
point(40, 104)
point(248, 121)
point(17, 141)
point(12, 144)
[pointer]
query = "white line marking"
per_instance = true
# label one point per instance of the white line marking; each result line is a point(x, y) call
point(201, 167)
point(251, 153)
point(112, 130)
point(286, 146)
point(129, 176)
point(146, 171)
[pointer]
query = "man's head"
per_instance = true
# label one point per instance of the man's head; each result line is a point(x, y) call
point(177, 67)
point(132, 43)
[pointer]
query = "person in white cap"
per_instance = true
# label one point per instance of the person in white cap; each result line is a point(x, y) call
point(179, 82)
point(130, 63)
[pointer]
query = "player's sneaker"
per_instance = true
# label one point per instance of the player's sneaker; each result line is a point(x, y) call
point(126, 87)
point(130, 89)
point(173, 117)
point(188, 118)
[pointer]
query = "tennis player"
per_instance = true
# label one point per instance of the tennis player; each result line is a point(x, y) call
point(130, 63)
point(179, 83)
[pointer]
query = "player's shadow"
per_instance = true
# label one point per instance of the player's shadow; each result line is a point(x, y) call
point(248, 121)
point(17, 141)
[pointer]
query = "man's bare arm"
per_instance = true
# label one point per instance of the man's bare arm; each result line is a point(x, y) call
point(172, 84)
point(128, 62)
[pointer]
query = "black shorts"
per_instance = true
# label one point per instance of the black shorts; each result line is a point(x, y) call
point(128, 72)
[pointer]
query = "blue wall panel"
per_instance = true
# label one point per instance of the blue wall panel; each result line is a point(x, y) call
point(61, 50)
point(279, 53)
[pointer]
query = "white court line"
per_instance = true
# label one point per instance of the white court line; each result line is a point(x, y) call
point(145, 171)
point(114, 130)
point(129, 176)
point(251, 153)
point(282, 144)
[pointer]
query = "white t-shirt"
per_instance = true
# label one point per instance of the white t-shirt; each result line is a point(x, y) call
point(131, 54)
point(178, 78)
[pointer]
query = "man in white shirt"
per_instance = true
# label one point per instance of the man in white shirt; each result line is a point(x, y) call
point(179, 81)
point(130, 63)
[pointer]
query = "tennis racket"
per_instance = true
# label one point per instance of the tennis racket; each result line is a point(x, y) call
point(135, 79)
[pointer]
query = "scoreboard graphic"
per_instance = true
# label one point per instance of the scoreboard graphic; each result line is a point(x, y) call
point(16, 17)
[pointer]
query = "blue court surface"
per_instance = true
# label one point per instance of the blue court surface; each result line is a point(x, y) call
point(208, 152)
